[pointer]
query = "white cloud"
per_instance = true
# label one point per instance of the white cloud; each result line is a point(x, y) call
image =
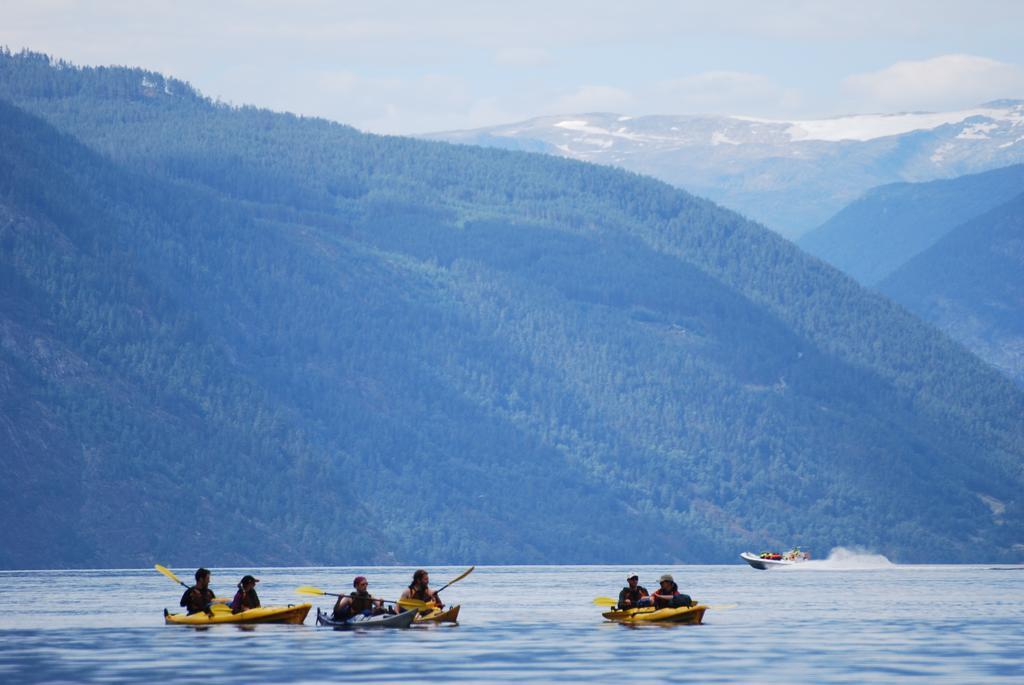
point(944, 82)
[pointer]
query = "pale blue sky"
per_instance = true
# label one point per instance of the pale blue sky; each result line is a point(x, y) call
point(413, 67)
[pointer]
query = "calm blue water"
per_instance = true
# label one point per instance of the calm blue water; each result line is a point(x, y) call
point(854, 621)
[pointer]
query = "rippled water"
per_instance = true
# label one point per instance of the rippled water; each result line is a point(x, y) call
point(864, 620)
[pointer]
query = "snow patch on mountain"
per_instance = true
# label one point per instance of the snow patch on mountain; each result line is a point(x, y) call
point(940, 152)
point(575, 125)
point(864, 127)
point(977, 131)
point(593, 131)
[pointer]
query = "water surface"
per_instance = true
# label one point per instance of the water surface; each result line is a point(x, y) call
point(825, 622)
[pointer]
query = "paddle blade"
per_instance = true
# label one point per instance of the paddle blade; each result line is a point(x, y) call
point(468, 571)
point(605, 602)
point(220, 608)
point(310, 590)
point(414, 604)
point(167, 572)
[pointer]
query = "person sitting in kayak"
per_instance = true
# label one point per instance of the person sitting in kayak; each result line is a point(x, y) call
point(635, 595)
point(199, 597)
point(358, 602)
point(668, 595)
point(246, 597)
point(420, 589)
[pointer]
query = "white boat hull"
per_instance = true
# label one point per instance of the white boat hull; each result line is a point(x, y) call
point(765, 564)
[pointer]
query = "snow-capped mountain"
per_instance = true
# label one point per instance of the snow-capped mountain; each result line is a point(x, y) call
point(790, 175)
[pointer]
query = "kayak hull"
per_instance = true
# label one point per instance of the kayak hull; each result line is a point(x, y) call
point(449, 615)
point(402, 620)
point(691, 615)
point(290, 614)
point(765, 564)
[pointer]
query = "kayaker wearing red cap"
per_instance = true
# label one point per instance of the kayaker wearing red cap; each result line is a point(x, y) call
point(358, 602)
point(668, 595)
point(420, 589)
point(246, 597)
point(635, 595)
point(199, 597)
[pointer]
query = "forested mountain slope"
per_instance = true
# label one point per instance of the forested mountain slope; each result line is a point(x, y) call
point(971, 285)
point(232, 335)
point(880, 232)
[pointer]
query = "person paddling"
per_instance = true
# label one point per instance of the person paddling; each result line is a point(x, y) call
point(199, 597)
point(246, 597)
point(420, 589)
point(358, 602)
point(634, 595)
point(668, 595)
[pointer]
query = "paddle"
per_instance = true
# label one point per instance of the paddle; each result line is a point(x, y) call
point(609, 602)
point(219, 603)
point(167, 572)
point(404, 603)
point(470, 570)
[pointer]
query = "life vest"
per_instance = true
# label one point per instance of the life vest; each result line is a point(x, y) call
point(661, 599)
point(634, 596)
point(196, 600)
point(361, 601)
point(420, 594)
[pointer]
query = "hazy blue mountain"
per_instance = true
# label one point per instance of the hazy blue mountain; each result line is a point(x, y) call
point(971, 285)
point(878, 233)
point(235, 336)
point(790, 175)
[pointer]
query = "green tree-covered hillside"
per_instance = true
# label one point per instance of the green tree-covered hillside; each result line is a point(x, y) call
point(230, 335)
point(971, 285)
point(877, 234)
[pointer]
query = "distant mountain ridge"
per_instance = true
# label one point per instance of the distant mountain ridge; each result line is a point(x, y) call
point(970, 283)
point(789, 175)
point(235, 336)
point(881, 231)
point(945, 250)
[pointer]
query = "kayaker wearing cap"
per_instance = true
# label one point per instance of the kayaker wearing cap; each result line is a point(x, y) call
point(668, 595)
point(358, 602)
point(635, 595)
point(246, 597)
point(199, 597)
point(420, 589)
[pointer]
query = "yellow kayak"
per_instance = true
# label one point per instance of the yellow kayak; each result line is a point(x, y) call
point(449, 615)
point(694, 614)
point(222, 614)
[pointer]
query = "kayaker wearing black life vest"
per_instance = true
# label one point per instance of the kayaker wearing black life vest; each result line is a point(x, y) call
point(668, 595)
point(420, 589)
point(635, 595)
point(358, 602)
point(199, 597)
point(246, 597)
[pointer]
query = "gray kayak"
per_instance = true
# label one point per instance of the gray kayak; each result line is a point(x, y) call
point(402, 620)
